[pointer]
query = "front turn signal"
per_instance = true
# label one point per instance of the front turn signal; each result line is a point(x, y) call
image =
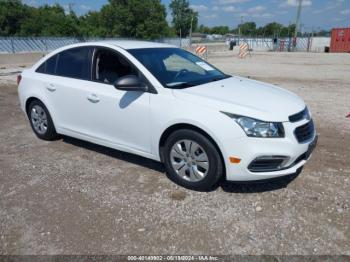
point(235, 160)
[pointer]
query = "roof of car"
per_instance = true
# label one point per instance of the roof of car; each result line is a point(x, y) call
point(133, 44)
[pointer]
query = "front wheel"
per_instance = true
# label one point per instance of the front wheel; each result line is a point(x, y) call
point(192, 160)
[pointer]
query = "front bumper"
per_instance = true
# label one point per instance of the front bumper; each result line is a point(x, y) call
point(248, 149)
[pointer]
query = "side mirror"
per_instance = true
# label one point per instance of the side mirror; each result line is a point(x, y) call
point(130, 83)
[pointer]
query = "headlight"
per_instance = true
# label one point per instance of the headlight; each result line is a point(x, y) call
point(257, 128)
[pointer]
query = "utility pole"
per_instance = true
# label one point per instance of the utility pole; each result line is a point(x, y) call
point(191, 31)
point(288, 34)
point(289, 37)
point(180, 38)
point(180, 27)
point(300, 4)
point(240, 31)
point(312, 38)
point(70, 8)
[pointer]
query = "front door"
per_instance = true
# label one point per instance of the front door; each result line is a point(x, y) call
point(115, 116)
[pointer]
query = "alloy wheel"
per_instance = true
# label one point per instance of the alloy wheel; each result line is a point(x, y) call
point(189, 160)
point(38, 118)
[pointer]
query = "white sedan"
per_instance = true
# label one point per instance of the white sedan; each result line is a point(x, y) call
point(165, 103)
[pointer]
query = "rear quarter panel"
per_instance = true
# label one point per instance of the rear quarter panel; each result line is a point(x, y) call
point(33, 85)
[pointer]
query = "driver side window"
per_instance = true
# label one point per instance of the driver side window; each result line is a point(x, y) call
point(110, 66)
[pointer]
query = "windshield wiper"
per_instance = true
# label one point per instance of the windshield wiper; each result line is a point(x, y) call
point(220, 78)
point(180, 85)
point(190, 84)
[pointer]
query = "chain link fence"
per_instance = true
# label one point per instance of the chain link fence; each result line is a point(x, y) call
point(47, 44)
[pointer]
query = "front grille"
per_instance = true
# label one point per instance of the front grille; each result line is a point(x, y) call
point(300, 116)
point(267, 164)
point(305, 132)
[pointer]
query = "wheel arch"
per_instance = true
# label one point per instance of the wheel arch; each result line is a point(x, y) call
point(167, 132)
point(33, 98)
point(29, 100)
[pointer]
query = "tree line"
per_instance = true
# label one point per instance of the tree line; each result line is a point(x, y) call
point(144, 19)
point(250, 29)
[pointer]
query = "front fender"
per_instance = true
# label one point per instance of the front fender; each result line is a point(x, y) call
point(217, 125)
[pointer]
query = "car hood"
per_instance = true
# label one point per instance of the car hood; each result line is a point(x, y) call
point(242, 96)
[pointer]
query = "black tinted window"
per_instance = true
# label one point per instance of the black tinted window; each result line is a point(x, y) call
point(41, 69)
point(75, 63)
point(51, 65)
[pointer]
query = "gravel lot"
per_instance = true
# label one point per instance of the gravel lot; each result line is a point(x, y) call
point(72, 197)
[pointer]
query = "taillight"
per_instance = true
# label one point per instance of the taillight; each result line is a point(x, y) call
point(19, 78)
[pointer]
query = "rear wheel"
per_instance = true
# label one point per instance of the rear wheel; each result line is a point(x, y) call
point(192, 160)
point(40, 121)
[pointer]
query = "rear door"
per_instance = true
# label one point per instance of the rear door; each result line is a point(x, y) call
point(68, 74)
point(79, 86)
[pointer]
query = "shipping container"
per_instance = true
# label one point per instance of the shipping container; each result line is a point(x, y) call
point(340, 42)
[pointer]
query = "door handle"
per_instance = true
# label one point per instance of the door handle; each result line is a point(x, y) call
point(93, 98)
point(51, 87)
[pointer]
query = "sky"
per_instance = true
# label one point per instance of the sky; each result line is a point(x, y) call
point(316, 14)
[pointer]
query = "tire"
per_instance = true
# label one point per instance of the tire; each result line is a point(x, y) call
point(41, 121)
point(191, 170)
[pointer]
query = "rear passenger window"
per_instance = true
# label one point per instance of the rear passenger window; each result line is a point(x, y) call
point(75, 63)
point(49, 66)
point(42, 68)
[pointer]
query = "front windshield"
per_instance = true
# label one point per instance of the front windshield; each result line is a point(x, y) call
point(177, 68)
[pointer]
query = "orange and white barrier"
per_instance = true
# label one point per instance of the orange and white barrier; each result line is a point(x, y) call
point(243, 50)
point(201, 50)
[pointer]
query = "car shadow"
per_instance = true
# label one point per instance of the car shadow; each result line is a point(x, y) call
point(226, 186)
point(128, 98)
point(131, 158)
point(258, 186)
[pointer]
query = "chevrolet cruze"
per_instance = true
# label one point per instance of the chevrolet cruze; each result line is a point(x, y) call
point(166, 104)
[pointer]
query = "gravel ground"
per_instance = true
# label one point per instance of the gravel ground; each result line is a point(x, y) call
point(73, 197)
